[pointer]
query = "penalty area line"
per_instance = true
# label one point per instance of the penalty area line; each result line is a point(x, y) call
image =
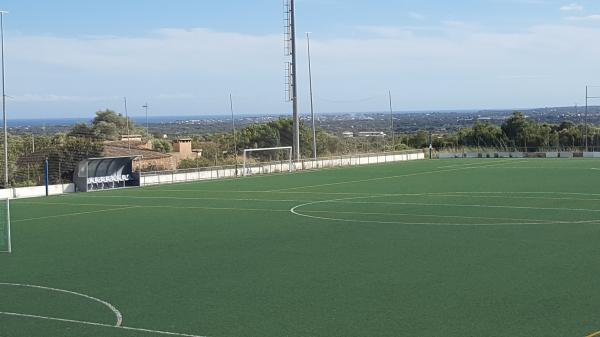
point(158, 332)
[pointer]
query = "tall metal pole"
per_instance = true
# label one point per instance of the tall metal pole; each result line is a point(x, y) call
point(586, 118)
point(312, 106)
point(294, 81)
point(6, 182)
point(235, 151)
point(145, 106)
point(127, 123)
point(392, 121)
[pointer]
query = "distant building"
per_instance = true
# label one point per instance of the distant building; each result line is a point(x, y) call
point(131, 138)
point(148, 160)
point(348, 134)
point(183, 146)
point(182, 150)
point(369, 134)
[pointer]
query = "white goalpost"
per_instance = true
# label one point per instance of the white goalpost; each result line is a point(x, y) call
point(249, 169)
point(5, 239)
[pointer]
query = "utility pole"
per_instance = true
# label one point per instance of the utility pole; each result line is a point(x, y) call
point(312, 106)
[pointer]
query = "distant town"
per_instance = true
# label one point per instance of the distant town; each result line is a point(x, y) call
point(340, 124)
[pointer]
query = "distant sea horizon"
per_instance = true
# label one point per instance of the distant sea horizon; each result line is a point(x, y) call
point(140, 120)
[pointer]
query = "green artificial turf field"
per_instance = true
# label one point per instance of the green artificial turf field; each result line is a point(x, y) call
point(498, 247)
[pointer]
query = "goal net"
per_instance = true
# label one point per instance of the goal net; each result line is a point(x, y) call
point(5, 241)
point(268, 160)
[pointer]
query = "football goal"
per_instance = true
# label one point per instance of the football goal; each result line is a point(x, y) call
point(268, 160)
point(5, 241)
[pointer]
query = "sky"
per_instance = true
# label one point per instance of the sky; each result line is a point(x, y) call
point(68, 58)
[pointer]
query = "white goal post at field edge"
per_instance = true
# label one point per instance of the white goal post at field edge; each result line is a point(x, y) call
point(288, 149)
point(5, 239)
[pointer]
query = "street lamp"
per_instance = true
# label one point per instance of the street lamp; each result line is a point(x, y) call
point(145, 106)
point(312, 107)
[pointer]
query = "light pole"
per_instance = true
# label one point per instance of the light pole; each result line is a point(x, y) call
point(6, 182)
point(587, 98)
point(127, 123)
point(312, 106)
point(234, 133)
point(145, 106)
point(2, 13)
point(391, 121)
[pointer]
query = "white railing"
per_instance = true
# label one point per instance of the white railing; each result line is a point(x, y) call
point(562, 154)
point(224, 172)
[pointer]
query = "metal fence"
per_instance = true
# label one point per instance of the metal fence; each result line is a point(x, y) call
point(233, 171)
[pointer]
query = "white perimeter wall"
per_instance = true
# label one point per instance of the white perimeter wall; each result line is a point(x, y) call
point(37, 191)
point(220, 173)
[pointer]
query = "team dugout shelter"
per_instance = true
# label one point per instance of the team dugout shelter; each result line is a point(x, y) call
point(95, 174)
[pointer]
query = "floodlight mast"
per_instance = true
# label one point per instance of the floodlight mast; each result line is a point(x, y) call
point(312, 105)
point(392, 121)
point(4, 117)
point(290, 23)
point(587, 98)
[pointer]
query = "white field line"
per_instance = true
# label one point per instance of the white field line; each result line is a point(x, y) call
point(434, 194)
point(112, 308)
point(158, 332)
point(510, 197)
point(315, 202)
point(143, 206)
point(428, 216)
point(73, 214)
point(393, 177)
point(191, 198)
point(294, 210)
point(449, 193)
point(465, 205)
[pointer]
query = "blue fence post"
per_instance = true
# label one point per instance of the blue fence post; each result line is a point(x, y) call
point(46, 175)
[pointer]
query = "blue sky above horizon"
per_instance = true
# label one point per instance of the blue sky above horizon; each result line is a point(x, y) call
point(71, 58)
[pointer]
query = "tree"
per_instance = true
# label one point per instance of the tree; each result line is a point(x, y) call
point(109, 125)
point(419, 140)
point(82, 130)
point(162, 145)
point(515, 128)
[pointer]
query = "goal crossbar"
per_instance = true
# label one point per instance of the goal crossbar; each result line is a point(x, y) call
point(288, 148)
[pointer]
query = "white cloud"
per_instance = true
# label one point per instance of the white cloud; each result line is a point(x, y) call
point(573, 7)
point(193, 71)
point(594, 17)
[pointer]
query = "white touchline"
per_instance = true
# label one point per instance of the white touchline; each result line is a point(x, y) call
point(112, 308)
point(158, 332)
